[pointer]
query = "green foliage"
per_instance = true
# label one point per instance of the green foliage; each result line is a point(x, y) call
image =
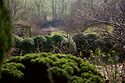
point(5, 30)
point(55, 44)
point(95, 79)
point(17, 41)
point(91, 38)
point(48, 44)
point(99, 43)
point(36, 68)
point(39, 42)
point(76, 79)
point(68, 47)
point(84, 43)
point(57, 39)
point(27, 45)
point(13, 70)
point(90, 42)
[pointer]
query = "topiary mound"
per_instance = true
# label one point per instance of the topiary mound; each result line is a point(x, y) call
point(84, 44)
point(48, 44)
point(49, 68)
point(57, 39)
point(68, 47)
point(39, 42)
point(54, 44)
point(99, 43)
point(17, 41)
point(27, 45)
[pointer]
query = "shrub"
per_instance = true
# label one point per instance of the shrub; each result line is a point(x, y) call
point(68, 47)
point(48, 44)
point(91, 38)
point(27, 45)
point(80, 41)
point(47, 68)
point(53, 43)
point(17, 41)
point(99, 43)
point(60, 44)
point(39, 42)
point(12, 72)
point(57, 39)
point(84, 43)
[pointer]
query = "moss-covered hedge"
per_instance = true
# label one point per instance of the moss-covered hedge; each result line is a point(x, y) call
point(49, 68)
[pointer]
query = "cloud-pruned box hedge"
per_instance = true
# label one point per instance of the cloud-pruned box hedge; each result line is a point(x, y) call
point(49, 68)
point(54, 44)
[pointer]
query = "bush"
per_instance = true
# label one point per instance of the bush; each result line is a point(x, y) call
point(48, 44)
point(80, 41)
point(91, 38)
point(84, 43)
point(47, 68)
point(27, 45)
point(57, 39)
point(99, 43)
point(39, 42)
point(90, 42)
point(12, 72)
point(63, 45)
point(68, 47)
point(17, 41)
point(53, 43)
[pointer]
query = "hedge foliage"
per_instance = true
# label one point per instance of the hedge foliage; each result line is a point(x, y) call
point(48, 68)
point(54, 44)
point(39, 42)
point(17, 41)
point(28, 45)
point(90, 42)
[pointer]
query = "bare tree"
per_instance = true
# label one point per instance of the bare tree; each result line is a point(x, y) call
point(17, 9)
